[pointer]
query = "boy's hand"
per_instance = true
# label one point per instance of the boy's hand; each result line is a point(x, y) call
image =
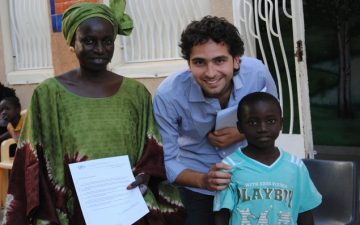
point(225, 137)
point(141, 180)
point(217, 177)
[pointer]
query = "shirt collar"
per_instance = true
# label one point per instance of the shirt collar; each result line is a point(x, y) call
point(196, 94)
point(237, 81)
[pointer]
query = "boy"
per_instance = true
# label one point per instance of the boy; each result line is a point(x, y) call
point(268, 185)
point(10, 116)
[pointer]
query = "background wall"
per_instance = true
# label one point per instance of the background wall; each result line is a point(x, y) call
point(2, 63)
point(64, 60)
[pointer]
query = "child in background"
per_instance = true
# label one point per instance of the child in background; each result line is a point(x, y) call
point(10, 117)
point(5, 92)
point(268, 185)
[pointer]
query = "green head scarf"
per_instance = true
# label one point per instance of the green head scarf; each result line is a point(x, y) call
point(82, 11)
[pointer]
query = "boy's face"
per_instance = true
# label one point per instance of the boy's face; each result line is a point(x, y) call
point(8, 111)
point(212, 67)
point(261, 124)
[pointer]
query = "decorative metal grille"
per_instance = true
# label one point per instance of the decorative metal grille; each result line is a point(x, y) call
point(273, 30)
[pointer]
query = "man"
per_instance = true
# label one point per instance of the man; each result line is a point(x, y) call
point(185, 108)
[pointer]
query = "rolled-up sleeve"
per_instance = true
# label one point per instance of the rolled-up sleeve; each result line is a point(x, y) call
point(168, 124)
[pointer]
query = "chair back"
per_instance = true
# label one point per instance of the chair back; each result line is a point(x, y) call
point(23, 112)
point(337, 182)
point(6, 163)
point(5, 159)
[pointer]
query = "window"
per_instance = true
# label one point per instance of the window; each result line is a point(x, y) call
point(152, 48)
point(27, 44)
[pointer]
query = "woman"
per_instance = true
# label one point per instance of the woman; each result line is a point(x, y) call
point(86, 113)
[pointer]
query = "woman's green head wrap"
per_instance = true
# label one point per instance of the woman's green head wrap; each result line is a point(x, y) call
point(82, 11)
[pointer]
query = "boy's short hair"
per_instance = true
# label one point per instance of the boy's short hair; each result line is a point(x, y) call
point(6, 92)
point(14, 101)
point(255, 97)
point(215, 28)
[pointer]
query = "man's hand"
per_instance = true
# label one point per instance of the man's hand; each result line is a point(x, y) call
point(217, 177)
point(225, 137)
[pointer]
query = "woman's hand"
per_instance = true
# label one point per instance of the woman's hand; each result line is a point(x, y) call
point(141, 180)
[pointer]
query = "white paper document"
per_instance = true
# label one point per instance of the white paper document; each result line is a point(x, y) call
point(226, 118)
point(101, 188)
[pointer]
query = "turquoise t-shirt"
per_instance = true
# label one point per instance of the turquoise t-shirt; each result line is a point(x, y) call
point(261, 194)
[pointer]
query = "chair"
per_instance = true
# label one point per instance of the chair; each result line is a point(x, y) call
point(338, 184)
point(6, 163)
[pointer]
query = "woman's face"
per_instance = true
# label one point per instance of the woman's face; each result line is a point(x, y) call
point(94, 44)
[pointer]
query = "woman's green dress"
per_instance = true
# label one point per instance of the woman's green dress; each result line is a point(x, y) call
point(62, 128)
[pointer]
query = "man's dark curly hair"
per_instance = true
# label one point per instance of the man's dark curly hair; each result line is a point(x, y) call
point(215, 28)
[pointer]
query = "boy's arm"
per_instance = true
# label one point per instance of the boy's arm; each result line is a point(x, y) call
point(305, 218)
point(222, 217)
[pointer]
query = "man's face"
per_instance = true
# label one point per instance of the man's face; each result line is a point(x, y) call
point(212, 68)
